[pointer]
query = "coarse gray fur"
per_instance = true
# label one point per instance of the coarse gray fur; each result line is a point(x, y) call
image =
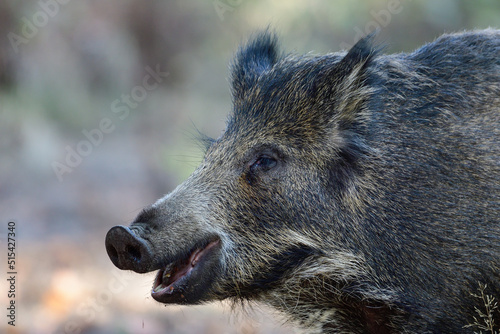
point(355, 192)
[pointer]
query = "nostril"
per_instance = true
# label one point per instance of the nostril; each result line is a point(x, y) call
point(112, 253)
point(128, 250)
point(134, 252)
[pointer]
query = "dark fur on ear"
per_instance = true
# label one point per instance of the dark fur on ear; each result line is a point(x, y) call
point(347, 87)
point(256, 57)
point(360, 54)
point(346, 81)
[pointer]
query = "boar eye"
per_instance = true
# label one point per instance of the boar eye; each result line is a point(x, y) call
point(263, 163)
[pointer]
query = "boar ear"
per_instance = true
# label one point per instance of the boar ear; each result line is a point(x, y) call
point(346, 82)
point(359, 56)
point(256, 57)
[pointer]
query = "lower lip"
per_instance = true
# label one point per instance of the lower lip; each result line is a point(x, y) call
point(172, 288)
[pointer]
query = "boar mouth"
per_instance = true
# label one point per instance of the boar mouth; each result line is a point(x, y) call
point(186, 280)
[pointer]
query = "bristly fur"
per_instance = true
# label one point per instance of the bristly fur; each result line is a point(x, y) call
point(204, 141)
point(258, 56)
point(355, 192)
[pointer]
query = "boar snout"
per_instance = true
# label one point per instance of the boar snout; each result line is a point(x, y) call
point(129, 251)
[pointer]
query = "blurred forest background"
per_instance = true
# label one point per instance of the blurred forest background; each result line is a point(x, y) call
point(68, 68)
